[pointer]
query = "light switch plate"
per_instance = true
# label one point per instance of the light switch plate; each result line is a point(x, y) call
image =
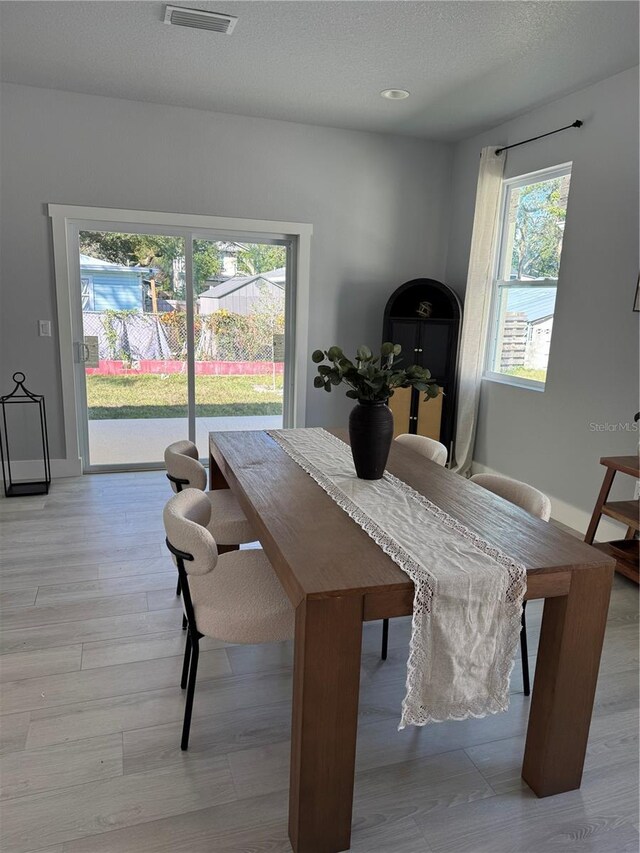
point(44, 328)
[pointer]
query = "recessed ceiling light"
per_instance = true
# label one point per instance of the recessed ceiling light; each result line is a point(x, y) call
point(395, 94)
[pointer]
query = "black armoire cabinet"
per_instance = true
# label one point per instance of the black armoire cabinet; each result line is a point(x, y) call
point(424, 317)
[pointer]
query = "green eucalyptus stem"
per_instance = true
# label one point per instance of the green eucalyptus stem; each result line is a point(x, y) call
point(371, 378)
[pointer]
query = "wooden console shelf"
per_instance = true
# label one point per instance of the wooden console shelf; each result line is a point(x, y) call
point(624, 511)
point(626, 551)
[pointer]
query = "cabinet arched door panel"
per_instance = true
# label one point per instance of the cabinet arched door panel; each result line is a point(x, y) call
point(406, 333)
point(434, 347)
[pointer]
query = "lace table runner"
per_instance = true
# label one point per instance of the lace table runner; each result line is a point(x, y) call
point(468, 594)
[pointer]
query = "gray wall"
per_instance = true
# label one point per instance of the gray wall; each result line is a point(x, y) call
point(546, 438)
point(378, 205)
point(380, 210)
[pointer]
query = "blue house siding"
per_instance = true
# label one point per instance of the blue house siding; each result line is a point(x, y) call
point(108, 286)
point(117, 291)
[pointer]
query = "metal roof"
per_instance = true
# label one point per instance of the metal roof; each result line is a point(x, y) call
point(87, 262)
point(534, 302)
point(224, 288)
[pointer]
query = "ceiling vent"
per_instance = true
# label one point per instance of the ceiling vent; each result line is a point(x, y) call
point(199, 20)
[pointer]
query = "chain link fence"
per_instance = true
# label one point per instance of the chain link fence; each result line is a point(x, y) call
point(131, 336)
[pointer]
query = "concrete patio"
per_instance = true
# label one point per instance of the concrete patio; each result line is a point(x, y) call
point(132, 441)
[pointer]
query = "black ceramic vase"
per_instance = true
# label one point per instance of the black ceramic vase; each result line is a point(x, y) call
point(370, 433)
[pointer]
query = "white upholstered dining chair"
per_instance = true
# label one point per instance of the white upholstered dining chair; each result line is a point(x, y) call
point(436, 452)
point(527, 497)
point(427, 447)
point(536, 503)
point(229, 525)
point(234, 597)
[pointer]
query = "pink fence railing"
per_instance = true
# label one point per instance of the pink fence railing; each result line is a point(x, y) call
point(203, 368)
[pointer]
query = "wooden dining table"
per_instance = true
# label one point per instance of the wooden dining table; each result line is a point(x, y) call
point(336, 578)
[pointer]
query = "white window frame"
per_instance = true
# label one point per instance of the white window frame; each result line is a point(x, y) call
point(497, 283)
point(68, 220)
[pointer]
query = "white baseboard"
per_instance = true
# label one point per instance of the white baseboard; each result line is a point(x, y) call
point(31, 469)
point(572, 516)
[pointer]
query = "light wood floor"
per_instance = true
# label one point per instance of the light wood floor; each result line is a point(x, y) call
point(91, 714)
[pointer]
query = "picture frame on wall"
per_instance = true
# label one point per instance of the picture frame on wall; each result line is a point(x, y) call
point(636, 301)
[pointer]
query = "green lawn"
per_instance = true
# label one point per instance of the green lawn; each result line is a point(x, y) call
point(539, 374)
point(152, 396)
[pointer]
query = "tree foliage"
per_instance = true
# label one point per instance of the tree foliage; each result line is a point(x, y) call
point(165, 255)
point(207, 262)
point(538, 229)
point(254, 258)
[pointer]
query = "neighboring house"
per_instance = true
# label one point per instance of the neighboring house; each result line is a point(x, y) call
point(538, 345)
point(528, 323)
point(239, 295)
point(110, 286)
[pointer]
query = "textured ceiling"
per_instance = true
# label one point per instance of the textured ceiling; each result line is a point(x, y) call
point(468, 65)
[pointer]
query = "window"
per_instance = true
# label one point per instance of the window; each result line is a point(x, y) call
point(87, 293)
point(527, 262)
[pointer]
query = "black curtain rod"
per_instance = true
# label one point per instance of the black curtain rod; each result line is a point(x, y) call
point(577, 123)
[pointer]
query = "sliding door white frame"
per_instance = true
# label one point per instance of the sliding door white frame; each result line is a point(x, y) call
point(68, 220)
point(74, 227)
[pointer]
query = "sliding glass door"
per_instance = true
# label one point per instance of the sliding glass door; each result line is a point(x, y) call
point(239, 299)
point(133, 356)
point(177, 333)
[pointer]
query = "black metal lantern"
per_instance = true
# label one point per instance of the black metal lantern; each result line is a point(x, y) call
point(21, 396)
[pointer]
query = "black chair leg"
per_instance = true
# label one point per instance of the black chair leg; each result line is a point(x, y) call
point(185, 664)
point(191, 689)
point(184, 618)
point(524, 653)
point(385, 639)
